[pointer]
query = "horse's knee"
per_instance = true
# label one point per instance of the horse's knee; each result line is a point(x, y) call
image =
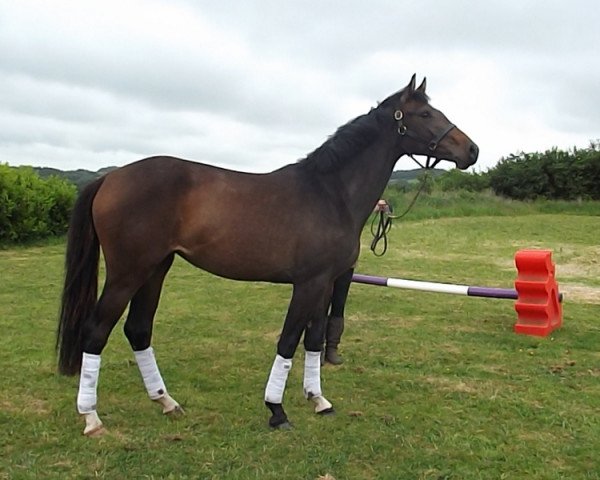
point(314, 337)
point(314, 344)
point(287, 345)
point(139, 338)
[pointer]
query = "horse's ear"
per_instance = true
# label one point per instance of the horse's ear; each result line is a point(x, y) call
point(423, 85)
point(411, 85)
point(403, 95)
point(407, 91)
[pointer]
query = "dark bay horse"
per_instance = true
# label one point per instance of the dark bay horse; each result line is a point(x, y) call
point(145, 213)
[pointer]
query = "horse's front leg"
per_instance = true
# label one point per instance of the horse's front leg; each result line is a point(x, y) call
point(307, 307)
point(274, 392)
point(313, 343)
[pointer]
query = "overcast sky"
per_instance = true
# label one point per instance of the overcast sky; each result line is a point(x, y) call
point(258, 84)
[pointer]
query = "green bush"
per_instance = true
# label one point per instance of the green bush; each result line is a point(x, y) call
point(32, 208)
point(554, 175)
point(458, 180)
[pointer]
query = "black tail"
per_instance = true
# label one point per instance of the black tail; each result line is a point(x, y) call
point(81, 281)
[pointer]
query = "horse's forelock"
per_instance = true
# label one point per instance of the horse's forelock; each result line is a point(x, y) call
point(396, 98)
point(420, 96)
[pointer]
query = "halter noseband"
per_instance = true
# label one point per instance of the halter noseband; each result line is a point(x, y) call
point(431, 144)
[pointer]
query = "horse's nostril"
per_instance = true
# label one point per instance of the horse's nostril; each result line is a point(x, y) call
point(474, 151)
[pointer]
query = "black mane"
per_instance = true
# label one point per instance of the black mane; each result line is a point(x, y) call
point(348, 140)
point(352, 137)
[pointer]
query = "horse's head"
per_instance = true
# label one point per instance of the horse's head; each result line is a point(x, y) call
point(423, 130)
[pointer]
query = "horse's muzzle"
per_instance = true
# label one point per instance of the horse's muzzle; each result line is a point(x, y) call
point(473, 155)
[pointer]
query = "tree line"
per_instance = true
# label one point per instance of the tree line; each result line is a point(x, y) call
point(36, 203)
point(552, 175)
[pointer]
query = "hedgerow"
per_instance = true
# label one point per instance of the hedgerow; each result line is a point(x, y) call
point(32, 208)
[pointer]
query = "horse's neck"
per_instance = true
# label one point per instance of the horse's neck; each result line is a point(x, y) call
point(364, 180)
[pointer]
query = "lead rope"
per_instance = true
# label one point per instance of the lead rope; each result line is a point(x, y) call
point(385, 218)
point(385, 224)
point(383, 227)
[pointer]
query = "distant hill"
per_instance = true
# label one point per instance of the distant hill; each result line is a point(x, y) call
point(82, 177)
point(79, 177)
point(408, 176)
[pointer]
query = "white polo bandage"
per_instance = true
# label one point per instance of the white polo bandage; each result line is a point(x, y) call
point(88, 383)
point(312, 374)
point(150, 374)
point(277, 379)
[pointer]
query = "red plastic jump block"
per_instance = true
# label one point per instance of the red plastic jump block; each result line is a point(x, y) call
point(539, 311)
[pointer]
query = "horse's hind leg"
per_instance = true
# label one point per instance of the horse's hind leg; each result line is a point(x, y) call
point(108, 310)
point(138, 330)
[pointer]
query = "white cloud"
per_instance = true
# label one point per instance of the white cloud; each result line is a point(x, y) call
point(256, 85)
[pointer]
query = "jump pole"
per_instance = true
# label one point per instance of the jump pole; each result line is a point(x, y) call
point(538, 302)
point(435, 287)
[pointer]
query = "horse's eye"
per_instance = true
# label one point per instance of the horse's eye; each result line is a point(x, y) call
point(426, 114)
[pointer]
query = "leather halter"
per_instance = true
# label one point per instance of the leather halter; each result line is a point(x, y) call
point(384, 225)
point(431, 144)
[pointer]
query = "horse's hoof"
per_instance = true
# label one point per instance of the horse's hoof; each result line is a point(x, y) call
point(93, 425)
point(322, 405)
point(282, 426)
point(280, 423)
point(327, 411)
point(95, 432)
point(175, 412)
point(278, 419)
point(169, 406)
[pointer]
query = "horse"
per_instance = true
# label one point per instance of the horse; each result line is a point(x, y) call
point(143, 214)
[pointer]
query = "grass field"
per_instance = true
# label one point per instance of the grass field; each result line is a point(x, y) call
point(434, 386)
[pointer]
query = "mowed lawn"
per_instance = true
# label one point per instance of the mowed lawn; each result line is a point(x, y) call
point(434, 386)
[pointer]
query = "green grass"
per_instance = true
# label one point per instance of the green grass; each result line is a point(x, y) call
point(462, 203)
point(434, 386)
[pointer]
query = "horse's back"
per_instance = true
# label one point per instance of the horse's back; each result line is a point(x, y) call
point(234, 224)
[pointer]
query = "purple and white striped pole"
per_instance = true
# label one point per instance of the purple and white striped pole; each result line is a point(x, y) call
point(470, 291)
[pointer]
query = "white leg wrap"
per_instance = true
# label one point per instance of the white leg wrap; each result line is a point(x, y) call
point(277, 379)
point(312, 382)
point(88, 383)
point(150, 374)
point(312, 374)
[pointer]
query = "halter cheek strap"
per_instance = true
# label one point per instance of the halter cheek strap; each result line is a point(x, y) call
point(431, 144)
point(434, 143)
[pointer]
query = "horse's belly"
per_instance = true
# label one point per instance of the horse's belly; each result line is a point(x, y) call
point(241, 263)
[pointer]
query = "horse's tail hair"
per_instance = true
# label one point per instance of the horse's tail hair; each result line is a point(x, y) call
point(81, 281)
